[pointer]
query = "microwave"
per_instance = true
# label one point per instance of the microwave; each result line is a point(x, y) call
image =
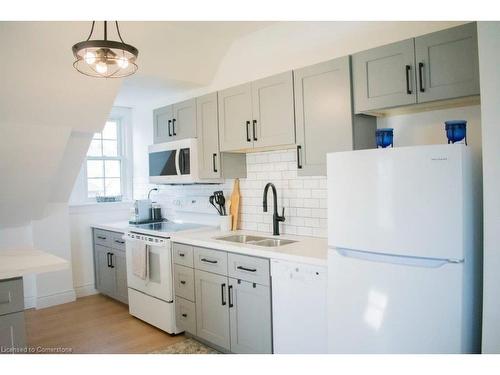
point(175, 162)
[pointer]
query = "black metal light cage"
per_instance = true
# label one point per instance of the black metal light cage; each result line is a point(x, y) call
point(116, 59)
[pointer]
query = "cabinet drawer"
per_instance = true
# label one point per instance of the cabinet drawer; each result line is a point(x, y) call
point(210, 260)
point(185, 315)
point(102, 237)
point(11, 296)
point(184, 282)
point(249, 268)
point(183, 254)
point(116, 241)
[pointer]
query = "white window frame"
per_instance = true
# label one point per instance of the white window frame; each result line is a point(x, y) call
point(123, 117)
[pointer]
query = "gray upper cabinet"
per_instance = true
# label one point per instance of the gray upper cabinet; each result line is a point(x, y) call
point(175, 122)
point(447, 64)
point(208, 136)
point(184, 120)
point(273, 122)
point(212, 309)
point(235, 115)
point(384, 77)
point(250, 317)
point(162, 122)
point(324, 118)
point(257, 114)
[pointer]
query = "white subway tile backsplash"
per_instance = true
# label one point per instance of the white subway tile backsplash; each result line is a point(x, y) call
point(304, 198)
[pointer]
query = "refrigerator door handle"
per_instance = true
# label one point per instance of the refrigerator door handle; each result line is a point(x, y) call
point(395, 259)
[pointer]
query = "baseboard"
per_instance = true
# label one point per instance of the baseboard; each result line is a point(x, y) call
point(55, 299)
point(29, 302)
point(85, 290)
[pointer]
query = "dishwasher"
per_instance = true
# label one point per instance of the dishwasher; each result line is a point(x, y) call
point(299, 293)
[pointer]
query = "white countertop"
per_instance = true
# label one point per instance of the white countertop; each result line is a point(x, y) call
point(17, 262)
point(310, 250)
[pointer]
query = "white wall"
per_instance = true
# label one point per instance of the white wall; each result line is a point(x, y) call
point(489, 62)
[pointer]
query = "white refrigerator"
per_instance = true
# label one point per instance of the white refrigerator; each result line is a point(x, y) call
point(404, 258)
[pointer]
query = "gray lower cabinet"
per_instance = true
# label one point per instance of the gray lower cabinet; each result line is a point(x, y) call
point(212, 309)
point(250, 317)
point(384, 77)
point(447, 64)
point(439, 66)
point(225, 299)
point(324, 118)
point(12, 327)
point(110, 267)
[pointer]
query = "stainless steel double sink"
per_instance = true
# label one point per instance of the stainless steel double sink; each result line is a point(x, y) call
point(256, 240)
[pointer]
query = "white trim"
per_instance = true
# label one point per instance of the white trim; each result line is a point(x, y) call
point(55, 299)
point(85, 290)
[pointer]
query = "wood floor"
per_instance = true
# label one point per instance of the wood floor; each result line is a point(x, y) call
point(94, 324)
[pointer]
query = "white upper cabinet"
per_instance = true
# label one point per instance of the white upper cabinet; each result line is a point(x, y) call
point(257, 114)
point(175, 122)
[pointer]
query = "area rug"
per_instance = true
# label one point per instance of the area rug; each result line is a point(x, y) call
point(188, 346)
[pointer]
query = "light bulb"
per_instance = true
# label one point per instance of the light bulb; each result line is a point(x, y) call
point(89, 57)
point(101, 67)
point(123, 62)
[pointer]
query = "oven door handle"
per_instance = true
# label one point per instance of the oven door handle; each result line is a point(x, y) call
point(148, 249)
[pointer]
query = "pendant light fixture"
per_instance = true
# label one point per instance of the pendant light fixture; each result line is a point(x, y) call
point(105, 58)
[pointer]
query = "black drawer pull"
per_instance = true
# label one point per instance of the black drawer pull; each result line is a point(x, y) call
point(181, 254)
point(231, 296)
point(101, 237)
point(120, 241)
point(209, 261)
point(222, 287)
point(183, 282)
point(247, 269)
point(184, 315)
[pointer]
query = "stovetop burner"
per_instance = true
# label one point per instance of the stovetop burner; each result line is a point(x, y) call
point(168, 226)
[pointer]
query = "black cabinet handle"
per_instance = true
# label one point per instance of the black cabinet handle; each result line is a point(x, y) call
point(120, 241)
point(254, 123)
point(222, 287)
point(108, 259)
point(299, 165)
point(111, 260)
point(173, 126)
point(208, 260)
point(181, 254)
point(408, 70)
point(230, 296)
point(248, 131)
point(169, 129)
point(421, 76)
point(246, 269)
point(184, 315)
point(183, 282)
point(213, 160)
point(101, 237)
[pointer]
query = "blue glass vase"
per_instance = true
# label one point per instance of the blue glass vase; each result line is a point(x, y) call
point(384, 137)
point(456, 130)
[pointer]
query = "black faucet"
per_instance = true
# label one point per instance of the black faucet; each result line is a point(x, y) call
point(276, 218)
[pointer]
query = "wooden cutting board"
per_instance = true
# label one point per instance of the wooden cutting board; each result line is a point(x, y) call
point(235, 204)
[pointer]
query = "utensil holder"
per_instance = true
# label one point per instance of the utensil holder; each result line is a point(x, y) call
point(225, 223)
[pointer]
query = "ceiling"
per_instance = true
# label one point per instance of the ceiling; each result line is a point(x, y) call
point(176, 56)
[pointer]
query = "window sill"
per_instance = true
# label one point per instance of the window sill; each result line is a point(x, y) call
point(88, 207)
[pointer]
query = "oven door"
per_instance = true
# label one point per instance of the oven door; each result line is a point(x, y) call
point(158, 282)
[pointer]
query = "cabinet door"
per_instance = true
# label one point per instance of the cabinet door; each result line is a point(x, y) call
point(384, 77)
point(119, 263)
point(447, 63)
point(104, 274)
point(250, 317)
point(12, 331)
point(235, 117)
point(208, 136)
point(184, 120)
point(162, 131)
point(323, 114)
point(273, 122)
point(212, 309)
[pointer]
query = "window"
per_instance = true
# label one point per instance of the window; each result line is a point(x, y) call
point(104, 165)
